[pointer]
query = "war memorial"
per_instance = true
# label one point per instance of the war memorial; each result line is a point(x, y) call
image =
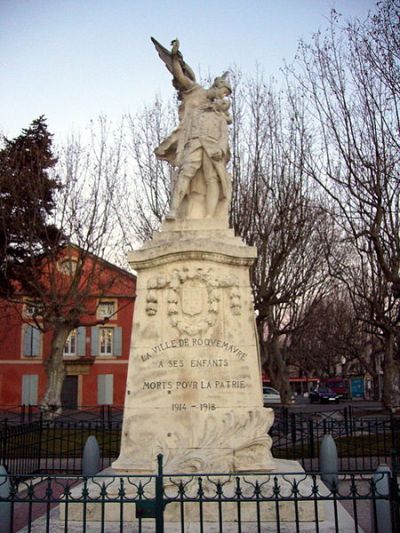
point(194, 389)
point(195, 452)
point(195, 430)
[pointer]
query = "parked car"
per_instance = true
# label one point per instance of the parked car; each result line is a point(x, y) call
point(323, 395)
point(271, 395)
point(339, 385)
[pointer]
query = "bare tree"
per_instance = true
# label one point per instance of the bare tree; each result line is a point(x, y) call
point(350, 82)
point(63, 281)
point(275, 208)
point(332, 336)
point(144, 199)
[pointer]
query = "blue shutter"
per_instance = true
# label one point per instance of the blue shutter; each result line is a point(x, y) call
point(105, 389)
point(36, 341)
point(29, 389)
point(27, 341)
point(101, 389)
point(81, 341)
point(95, 341)
point(32, 341)
point(117, 341)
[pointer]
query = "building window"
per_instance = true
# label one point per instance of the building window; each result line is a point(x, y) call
point(106, 341)
point(70, 347)
point(68, 266)
point(76, 343)
point(32, 309)
point(106, 309)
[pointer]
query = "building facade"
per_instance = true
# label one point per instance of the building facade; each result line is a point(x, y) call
point(95, 355)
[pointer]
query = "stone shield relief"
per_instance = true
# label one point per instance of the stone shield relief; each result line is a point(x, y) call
point(193, 297)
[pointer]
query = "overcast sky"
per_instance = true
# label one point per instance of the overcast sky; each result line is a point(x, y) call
point(74, 59)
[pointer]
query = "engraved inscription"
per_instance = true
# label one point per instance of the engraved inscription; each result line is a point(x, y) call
point(194, 341)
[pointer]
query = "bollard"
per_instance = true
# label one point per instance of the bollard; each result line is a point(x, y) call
point(383, 510)
point(91, 457)
point(5, 507)
point(328, 462)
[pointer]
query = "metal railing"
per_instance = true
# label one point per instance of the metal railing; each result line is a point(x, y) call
point(362, 443)
point(218, 502)
point(56, 446)
point(24, 414)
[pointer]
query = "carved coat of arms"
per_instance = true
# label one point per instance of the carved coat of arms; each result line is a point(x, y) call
point(193, 298)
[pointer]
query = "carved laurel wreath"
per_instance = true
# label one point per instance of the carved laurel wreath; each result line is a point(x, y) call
point(187, 324)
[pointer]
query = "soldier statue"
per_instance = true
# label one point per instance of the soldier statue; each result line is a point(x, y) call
point(198, 149)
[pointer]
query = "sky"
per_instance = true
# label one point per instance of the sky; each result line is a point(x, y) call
point(73, 60)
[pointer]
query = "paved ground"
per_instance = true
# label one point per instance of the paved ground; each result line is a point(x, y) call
point(346, 525)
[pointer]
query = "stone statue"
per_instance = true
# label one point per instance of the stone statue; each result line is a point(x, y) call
point(198, 149)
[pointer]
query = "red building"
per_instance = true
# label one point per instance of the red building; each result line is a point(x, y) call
point(95, 354)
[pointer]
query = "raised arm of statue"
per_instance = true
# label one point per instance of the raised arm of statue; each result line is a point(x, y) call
point(182, 81)
point(184, 77)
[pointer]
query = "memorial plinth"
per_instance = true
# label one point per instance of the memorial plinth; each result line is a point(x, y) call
point(194, 389)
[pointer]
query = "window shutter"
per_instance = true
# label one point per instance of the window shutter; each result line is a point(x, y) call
point(118, 341)
point(95, 341)
point(36, 338)
point(101, 389)
point(27, 341)
point(105, 389)
point(81, 340)
point(32, 341)
point(29, 389)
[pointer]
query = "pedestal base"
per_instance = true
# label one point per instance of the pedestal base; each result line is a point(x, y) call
point(202, 442)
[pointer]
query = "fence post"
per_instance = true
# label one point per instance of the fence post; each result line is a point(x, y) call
point(311, 438)
point(4, 443)
point(5, 507)
point(328, 461)
point(159, 496)
point(41, 436)
point(395, 492)
point(91, 457)
point(293, 427)
point(346, 420)
point(393, 430)
point(284, 418)
point(381, 485)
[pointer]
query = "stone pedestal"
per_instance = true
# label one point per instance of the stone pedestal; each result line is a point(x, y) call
point(194, 389)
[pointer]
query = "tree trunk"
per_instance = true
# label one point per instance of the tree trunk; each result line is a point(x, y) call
point(51, 403)
point(276, 368)
point(391, 375)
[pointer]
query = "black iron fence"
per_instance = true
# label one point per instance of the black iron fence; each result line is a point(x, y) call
point(209, 502)
point(55, 446)
point(24, 414)
point(362, 443)
point(38, 445)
